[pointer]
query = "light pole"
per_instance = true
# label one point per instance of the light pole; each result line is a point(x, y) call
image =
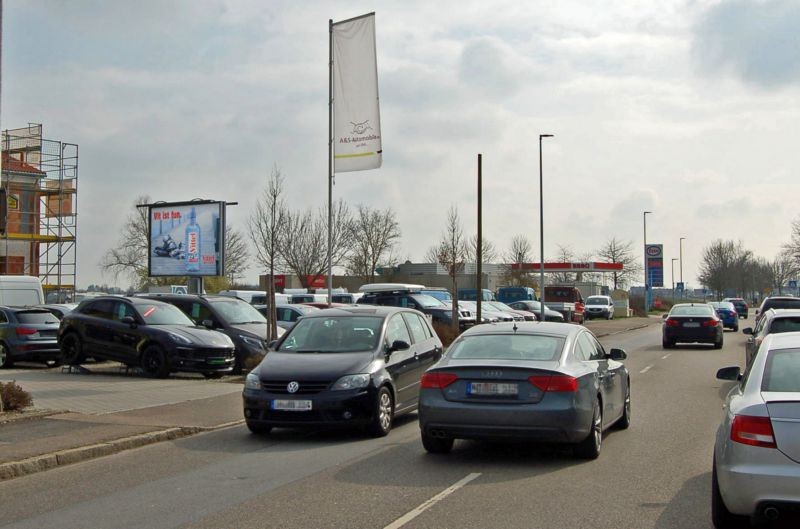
point(646, 268)
point(541, 230)
point(673, 278)
point(680, 262)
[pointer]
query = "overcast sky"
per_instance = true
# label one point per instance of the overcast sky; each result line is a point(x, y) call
point(686, 108)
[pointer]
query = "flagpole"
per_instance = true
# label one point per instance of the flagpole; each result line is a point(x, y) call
point(330, 159)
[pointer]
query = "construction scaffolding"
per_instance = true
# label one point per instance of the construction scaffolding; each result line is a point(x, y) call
point(38, 227)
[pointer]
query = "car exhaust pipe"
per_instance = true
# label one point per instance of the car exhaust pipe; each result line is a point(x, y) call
point(438, 434)
point(772, 513)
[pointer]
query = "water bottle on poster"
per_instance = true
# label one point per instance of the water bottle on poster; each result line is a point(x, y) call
point(192, 243)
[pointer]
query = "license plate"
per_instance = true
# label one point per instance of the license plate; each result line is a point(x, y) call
point(491, 388)
point(691, 324)
point(291, 405)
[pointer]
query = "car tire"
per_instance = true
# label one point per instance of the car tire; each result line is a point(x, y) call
point(258, 429)
point(736, 328)
point(718, 345)
point(213, 375)
point(667, 344)
point(721, 517)
point(72, 350)
point(154, 362)
point(589, 448)
point(624, 422)
point(382, 414)
point(5, 357)
point(437, 445)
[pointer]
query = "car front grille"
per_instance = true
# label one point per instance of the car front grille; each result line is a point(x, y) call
point(306, 387)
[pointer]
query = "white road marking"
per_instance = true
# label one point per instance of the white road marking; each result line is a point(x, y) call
point(646, 369)
point(666, 356)
point(410, 515)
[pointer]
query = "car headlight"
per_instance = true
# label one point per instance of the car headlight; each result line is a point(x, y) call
point(179, 338)
point(352, 382)
point(253, 342)
point(252, 381)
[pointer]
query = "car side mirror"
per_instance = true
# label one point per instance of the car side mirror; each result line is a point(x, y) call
point(617, 354)
point(208, 324)
point(128, 320)
point(730, 373)
point(398, 345)
point(271, 345)
point(664, 316)
point(747, 330)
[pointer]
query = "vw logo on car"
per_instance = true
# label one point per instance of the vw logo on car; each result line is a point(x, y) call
point(292, 387)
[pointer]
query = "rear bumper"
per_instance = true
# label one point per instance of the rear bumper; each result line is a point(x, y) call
point(34, 350)
point(698, 335)
point(748, 488)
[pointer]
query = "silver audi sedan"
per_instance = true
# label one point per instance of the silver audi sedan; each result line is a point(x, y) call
point(529, 381)
point(756, 470)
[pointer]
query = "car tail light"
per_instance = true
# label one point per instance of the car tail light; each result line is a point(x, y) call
point(24, 331)
point(564, 383)
point(671, 322)
point(753, 431)
point(437, 380)
point(710, 323)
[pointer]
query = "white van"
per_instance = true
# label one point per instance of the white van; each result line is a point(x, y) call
point(254, 297)
point(20, 290)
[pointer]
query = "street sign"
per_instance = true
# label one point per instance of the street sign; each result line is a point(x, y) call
point(792, 284)
point(655, 264)
point(679, 286)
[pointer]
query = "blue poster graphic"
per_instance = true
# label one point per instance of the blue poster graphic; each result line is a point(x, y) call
point(186, 239)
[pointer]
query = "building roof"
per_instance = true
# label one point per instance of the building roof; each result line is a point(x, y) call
point(13, 165)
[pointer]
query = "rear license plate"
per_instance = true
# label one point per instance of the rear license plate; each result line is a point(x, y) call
point(691, 324)
point(291, 405)
point(491, 388)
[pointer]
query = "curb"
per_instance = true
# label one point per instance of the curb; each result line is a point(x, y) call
point(628, 329)
point(32, 465)
point(11, 417)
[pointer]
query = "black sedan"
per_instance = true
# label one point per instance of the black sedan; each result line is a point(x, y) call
point(540, 382)
point(536, 308)
point(342, 367)
point(692, 323)
point(150, 334)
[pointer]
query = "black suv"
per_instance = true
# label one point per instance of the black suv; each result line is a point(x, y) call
point(438, 311)
point(146, 333)
point(242, 322)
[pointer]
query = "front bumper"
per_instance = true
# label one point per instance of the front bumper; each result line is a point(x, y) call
point(202, 360)
point(328, 408)
point(596, 313)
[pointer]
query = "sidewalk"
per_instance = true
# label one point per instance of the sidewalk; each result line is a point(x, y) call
point(105, 416)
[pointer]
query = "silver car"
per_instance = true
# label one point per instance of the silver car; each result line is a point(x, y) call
point(540, 382)
point(756, 469)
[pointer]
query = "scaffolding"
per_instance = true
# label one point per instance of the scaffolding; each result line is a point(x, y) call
point(39, 230)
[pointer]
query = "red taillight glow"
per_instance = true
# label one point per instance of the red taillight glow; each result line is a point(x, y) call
point(24, 331)
point(554, 382)
point(753, 431)
point(437, 380)
point(671, 322)
point(710, 323)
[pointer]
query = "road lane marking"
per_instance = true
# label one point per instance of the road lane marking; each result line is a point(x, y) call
point(666, 356)
point(646, 369)
point(410, 515)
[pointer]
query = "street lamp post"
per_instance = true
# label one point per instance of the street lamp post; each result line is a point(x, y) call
point(680, 262)
point(541, 230)
point(673, 278)
point(646, 268)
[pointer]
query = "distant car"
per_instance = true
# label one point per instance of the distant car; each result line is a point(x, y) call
point(469, 315)
point(536, 308)
point(599, 307)
point(772, 321)
point(777, 302)
point(344, 367)
point(410, 296)
point(146, 333)
point(28, 333)
point(58, 309)
point(289, 313)
point(756, 466)
point(741, 306)
point(540, 382)
point(502, 307)
point(727, 313)
point(691, 323)
point(442, 294)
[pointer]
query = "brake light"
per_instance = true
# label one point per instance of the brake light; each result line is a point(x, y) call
point(753, 431)
point(437, 380)
point(710, 323)
point(564, 383)
point(671, 322)
point(24, 331)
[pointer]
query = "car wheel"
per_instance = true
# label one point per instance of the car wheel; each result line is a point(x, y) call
point(667, 344)
point(5, 356)
point(718, 345)
point(736, 328)
point(437, 445)
point(259, 429)
point(213, 374)
point(589, 448)
point(154, 362)
point(382, 414)
point(720, 515)
point(72, 350)
point(625, 421)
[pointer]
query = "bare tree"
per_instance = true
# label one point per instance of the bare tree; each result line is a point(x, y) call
point(129, 257)
point(266, 224)
point(304, 241)
point(782, 269)
point(236, 255)
point(520, 251)
point(565, 255)
point(724, 266)
point(488, 250)
point(451, 253)
point(374, 234)
point(617, 251)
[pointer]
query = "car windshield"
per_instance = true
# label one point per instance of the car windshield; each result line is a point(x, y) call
point(783, 304)
point(507, 347)
point(237, 312)
point(725, 305)
point(334, 334)
point(782, 372)
point(441, 295)
point(162, 314)
point(597, 300)
point(691, 310)
point(36, 316)
point(427, 301)
point(515, 294)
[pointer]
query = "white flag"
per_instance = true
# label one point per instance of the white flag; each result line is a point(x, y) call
point(356, 113)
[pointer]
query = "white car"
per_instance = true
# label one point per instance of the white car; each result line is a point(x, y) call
point(756, 469)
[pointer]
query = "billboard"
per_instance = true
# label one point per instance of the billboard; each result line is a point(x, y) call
point(186, 239)
point(655, 265)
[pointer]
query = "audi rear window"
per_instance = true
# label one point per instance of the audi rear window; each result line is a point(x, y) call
point(782, 372)
point(507, 347)
point(36, 316)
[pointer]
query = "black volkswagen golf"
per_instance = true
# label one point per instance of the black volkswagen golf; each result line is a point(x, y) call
point(349, 366)
point(155, 336)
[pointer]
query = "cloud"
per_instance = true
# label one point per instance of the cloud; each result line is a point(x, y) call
point(756, 41)
point(484, 65)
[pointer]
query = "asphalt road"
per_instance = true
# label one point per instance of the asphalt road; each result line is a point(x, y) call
point(654, 475)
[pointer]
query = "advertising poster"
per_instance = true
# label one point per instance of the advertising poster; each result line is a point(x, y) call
point(187, 239)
